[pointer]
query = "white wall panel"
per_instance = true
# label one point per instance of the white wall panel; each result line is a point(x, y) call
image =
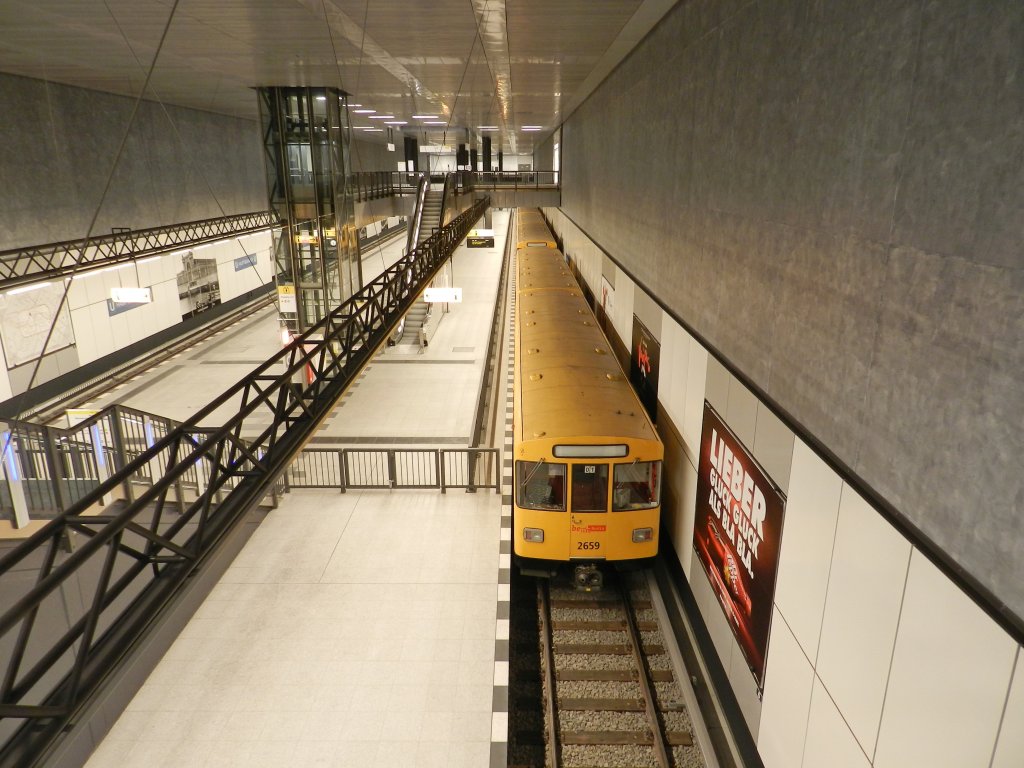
point(808, 535)
point(77, 294)
point(773, 446)
point(862, 608)
point(1010, 746)
point(81, 324)
point(672, 377)
point(788, 682)
point(696, 381)
point(744, 687)
point(830, 743)
point(741, 412)
point(622, 312)
point(682, 533)
point(951, 671)
point(715, 621)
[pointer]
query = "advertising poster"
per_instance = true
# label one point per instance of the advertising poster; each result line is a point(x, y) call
point(644, 358)
point(736, 536)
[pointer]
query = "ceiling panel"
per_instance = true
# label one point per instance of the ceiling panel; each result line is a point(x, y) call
point(471, 62)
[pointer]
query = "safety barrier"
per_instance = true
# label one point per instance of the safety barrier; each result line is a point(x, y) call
point(395, 468)
point(82, 590)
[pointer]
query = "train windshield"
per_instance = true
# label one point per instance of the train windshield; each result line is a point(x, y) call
point(589, 487)
point(540, 485)
point(636, 486)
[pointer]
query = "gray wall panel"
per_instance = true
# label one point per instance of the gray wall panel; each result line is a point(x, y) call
point(831, 195)
point(57, 156)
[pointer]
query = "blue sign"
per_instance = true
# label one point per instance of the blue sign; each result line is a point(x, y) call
point(244, 262)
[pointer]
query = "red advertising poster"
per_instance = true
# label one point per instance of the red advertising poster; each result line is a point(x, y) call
point(736, 536)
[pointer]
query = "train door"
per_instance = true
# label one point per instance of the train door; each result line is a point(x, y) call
point(588, 526)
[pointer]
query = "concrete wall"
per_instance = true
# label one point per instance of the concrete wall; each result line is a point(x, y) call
point(839, 210)
point(95, 329)
point(875, 657)
point(58, 146)
point(372, 156)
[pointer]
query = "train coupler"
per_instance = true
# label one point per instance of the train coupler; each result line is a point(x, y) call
point(588, 578)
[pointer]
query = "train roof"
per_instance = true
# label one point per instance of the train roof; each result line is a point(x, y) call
point(570, 382)
point(533, 230)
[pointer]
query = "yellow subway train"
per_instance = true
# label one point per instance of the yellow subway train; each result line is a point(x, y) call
point(588, 460)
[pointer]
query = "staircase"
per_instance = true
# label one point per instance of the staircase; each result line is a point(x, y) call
point(431, 219)
point(414, 320)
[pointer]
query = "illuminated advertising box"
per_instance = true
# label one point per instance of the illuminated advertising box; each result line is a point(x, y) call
point(736, 536)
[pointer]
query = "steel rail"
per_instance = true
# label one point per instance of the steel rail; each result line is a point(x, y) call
point(661, 748)
point(547, 644)
point(331, 354)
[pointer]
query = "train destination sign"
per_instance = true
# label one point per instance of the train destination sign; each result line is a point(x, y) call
point(737, 531)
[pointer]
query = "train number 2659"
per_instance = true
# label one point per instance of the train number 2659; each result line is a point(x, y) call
point(588, 545)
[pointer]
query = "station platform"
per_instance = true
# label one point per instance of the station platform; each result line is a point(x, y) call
point(361, 629)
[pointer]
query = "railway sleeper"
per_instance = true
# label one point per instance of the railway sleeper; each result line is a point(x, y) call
point(601, 705)
point(624, 738)
point(604, 649)
point(596, 604)
point(615, 625)
point(611, 675)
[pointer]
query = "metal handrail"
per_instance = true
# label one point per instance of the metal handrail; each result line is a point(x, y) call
point(372, 185)
point(513, 180)
point(298, 386)
point(395, 468)
point(415, 224)
point(20, 266)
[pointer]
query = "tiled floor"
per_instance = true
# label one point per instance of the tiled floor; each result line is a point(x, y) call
point(358, 629)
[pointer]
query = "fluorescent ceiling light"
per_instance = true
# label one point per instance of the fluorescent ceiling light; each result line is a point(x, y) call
point(27, 288)
point(364, 128)
point(374, 130)
point(381, 117)
point(364, 111)
point(531, 127)
point(487, 127)
point(352, 105)
point(321, 98)
point(435, 122)
point(396, 122)
point(424, 117)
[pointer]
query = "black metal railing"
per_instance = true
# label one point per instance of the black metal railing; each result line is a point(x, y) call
point(20, 266)
point(71, 616)
point(372, 185)
point(513, 180)
point(395, 468)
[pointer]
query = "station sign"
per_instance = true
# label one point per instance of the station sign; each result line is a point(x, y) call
point(443, 295)
point(480, 238)
point(131, 295)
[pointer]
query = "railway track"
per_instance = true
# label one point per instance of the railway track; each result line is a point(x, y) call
point(610, 697)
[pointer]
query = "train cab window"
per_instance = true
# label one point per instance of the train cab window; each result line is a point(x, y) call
point(636, 486)
point(540, 485)
point(589, 487)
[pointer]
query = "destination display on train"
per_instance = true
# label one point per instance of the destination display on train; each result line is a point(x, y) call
point(736, 536)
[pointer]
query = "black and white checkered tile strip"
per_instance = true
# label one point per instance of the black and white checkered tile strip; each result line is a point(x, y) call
point(499, 712)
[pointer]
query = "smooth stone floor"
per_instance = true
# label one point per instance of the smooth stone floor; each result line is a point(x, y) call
point(353, 629)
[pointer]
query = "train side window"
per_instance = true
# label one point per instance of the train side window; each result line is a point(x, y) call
point(540, 485)
point(636, 486)
point(589, 487)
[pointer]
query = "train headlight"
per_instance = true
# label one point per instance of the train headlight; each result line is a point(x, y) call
point(640, 535)
point(536, 535)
